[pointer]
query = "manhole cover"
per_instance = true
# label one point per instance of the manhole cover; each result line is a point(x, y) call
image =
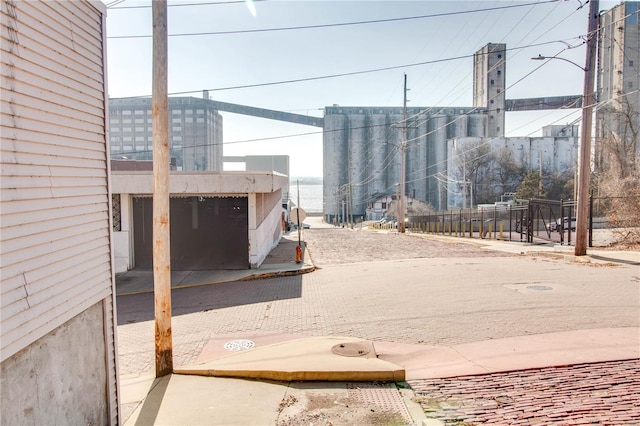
point(351, 349)
point(539, 287)
point(239, 345)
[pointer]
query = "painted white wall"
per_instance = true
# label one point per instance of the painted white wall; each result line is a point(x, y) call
point(123, 239)
point(263, 239)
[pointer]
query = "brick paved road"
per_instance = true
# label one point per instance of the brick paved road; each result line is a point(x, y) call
point(605, 393)
point(442, 293)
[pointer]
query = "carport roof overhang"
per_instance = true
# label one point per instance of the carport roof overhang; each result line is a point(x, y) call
point(200, 183)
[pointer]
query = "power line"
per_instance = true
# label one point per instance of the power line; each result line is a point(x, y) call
point(340, 24)
point(345, 74)
point(211, 3)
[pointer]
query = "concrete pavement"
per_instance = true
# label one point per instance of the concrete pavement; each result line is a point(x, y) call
point(280, 262)
point(182, 399)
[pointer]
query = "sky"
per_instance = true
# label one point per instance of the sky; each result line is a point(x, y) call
point(222, 62)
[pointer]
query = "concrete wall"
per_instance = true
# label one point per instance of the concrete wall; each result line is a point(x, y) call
point(52, 382)
point(264, 237)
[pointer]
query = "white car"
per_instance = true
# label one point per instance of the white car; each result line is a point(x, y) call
point(562, 223)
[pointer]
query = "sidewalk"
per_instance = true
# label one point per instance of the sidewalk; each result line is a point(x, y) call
point(279, 262)
point(240, 388)
point(264, 379)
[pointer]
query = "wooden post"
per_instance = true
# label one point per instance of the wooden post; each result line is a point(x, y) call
point(161, 241)
point(584, 159)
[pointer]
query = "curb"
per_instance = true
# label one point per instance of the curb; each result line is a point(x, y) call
point(252, 277)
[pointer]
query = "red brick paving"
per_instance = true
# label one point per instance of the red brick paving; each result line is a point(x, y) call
point(606, 393)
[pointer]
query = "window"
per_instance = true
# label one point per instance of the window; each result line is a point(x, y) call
point(126, 112)
point(127, 139)
point(384, 205)
point(630, 62)
point(126, 121)
point(139, 120)
point(139, 138)
point(188, 119)
point(116, 218)
point(177, 120)
point(200, 111)
point(499, 72)
point(126, 129)
point(199, 120)
point(188, 111)
point(114, 129)
point(176, 111)
point(492, 82)
point(491, 101)
point(177, 138)
point(139, 112)
point(499, 55)
point(176, 128)
point(139, 129)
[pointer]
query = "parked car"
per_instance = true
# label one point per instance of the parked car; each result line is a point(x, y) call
point(304, 226)
point(562, 223)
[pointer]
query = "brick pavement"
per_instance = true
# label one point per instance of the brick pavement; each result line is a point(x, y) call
point(444, 294)
point(606, 393)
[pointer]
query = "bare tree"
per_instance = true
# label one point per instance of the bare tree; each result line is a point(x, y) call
point(474, 165)
point(618, 142)
point(619, 169)
point(507, 173)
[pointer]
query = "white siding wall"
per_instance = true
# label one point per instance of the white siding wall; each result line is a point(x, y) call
point(56, 258)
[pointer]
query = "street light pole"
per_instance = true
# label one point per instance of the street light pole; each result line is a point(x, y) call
point(584, 157)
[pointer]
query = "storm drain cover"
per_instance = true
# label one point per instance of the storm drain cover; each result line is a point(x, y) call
point(351, 349)
point(539, 287)
point(239, 345)
point(380, 397)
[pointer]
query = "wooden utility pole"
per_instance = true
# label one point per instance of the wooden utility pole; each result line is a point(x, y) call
point(403, 148)
point(161, 241)
point(584, 161)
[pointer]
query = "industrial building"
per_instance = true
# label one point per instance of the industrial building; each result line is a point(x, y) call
point(489, 79)
point(195, 132)
point(618, 90)
point(556, 151)
point(362, 151)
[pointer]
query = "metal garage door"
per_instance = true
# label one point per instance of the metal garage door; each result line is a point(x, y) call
point(206, 233)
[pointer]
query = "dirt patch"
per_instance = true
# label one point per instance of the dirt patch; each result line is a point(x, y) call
point(335, 410)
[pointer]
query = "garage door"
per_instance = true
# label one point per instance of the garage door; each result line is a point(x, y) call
point(206, 233)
